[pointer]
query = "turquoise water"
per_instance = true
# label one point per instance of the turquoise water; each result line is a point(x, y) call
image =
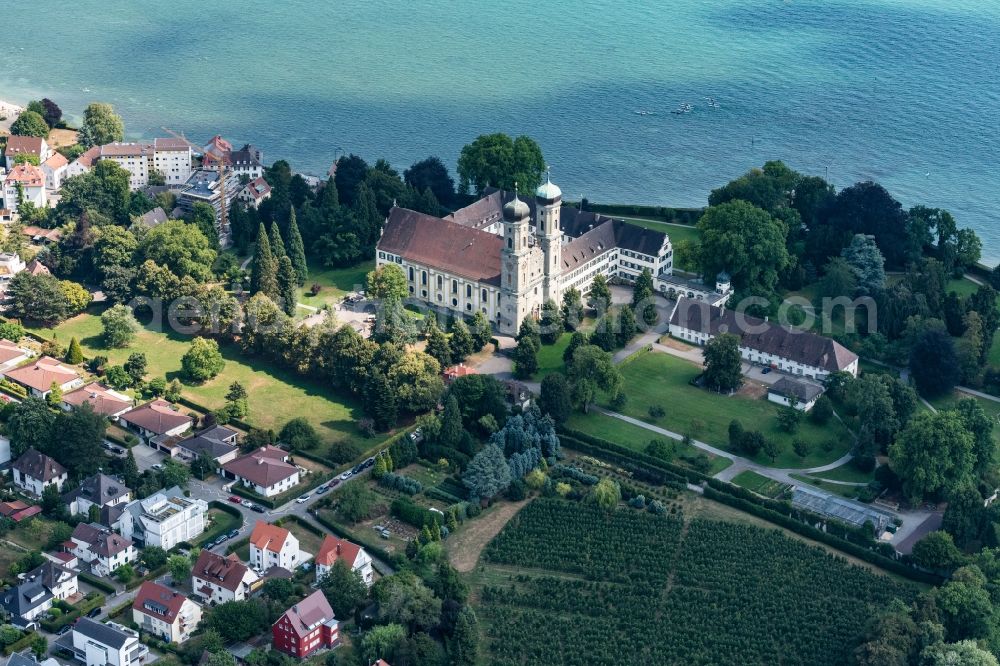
point(906, 92)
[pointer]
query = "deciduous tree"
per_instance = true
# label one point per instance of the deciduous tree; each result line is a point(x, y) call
point(202, 361)
point(932, 454)
point(100, 125)
point(29, 123)
point(723, 364)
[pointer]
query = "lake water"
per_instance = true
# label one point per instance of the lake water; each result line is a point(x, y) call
point(905, 92)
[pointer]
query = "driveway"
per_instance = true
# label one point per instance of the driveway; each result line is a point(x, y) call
point(146, 457)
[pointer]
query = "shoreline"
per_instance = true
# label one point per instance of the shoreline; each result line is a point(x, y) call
point(10, 111)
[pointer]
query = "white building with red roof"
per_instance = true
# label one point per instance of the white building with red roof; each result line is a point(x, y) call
point(255, 193)
point(266, 471)
point(103, 400)
point(24, 181)
point(218, 579)
point(334, 549)
point(102, 548)
point(306, 627)
point(34, 146)
point(273, 546)
point(55, 168)
point(165, 613)
point(39, 377)
point(84, 162)
point(155, 418)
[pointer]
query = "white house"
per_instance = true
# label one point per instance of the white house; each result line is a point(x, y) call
point(255, 193)
point(163, 519)
point(165, 613)
point(33, 146)
point(157, 417)
point(102, 399)
point(273, 546)
point(99, 490)
point(26, 600)
point(802, 394)
point(97, 644)
point(25, 182)
point(792, 351)
point(172, 158)
point(104, 550)
point(55, 169)
point(266, 471)
point(218, 579)
point(34, 471)
point(83, 163)
point(218, 442)
point(334, 548)
point(57, 578)
point(39, 377)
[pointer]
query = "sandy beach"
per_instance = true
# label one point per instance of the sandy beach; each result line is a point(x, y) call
point(9, 112)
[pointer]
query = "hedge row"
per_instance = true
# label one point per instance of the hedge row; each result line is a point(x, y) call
point(643, 467)
point(99, 583)
point(20, 644)
point(688, 216)
point(413, 514)
point(372, 547)
point(808, 531)
point(89, 603)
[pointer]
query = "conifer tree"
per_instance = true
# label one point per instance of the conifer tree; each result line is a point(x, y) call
point(481, 331)
point(438, 346)
point(287, 284)
point(296, 250)
point(627, 326)
point(74, 355)
point(389, 464)
point(462, 344)
point(277, 245)
point(130, 470)
point(264, 268)
point(382, 402)
point(551, 324)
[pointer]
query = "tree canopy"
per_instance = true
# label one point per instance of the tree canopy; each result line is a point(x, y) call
point(499, 161)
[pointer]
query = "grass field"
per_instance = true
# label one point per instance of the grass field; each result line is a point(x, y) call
point(847, 472)
point(550, 357)
point(850, 492)
point(676, 232)
point(218, 523)
point(663, 380)
point(759, 484)
point(276, 395)
point(961, 286)
point(335, 282)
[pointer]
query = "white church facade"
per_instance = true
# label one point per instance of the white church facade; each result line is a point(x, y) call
point(505, 256)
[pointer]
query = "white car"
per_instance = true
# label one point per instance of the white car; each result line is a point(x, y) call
point(157, 466)
point(302, 500)
point(247, 503)
point(345, 476)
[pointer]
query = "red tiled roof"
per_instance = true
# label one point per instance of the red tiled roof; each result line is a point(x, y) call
point(41, 374)
point(308, 614)
point(27, 174)
point(157, 601)
point(156, 416)
point(18, 145)
point(56, 161)
point(263, 467)
point(447, 246)
point(36, 267)
point(124, 149)
point(99, 397)
point(170, 144)
point(87, 159)
point(9, 351)
point(268, 537)
point(333, 549)
point(49, 234)
point(258, 188)
point(226, 572)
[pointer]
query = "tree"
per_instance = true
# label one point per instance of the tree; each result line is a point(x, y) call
point(80, 436)
point(746, 242)
point(723, 364)
point(789, 419)
point(980, 426)
point(296, 249)
point(202, 216)
point(488, 474)
point(50, 112)
point(964, 517)
point(463, 648)
point(135, 366)
point(934, 364)
point(100, 125)
point(416, 381)
point(386, 281)
point(627, 327)
point(38, 298)
point(576, 340)
point(202, 361)
point(605, 333)
point(822, 411)
point(572, 309)
point(498, 160)
point(752, 442)
point(77, 298)
point(643, 298)
point(299, 434)
point(55, 395)
point(238, 620)
point(287, 285)
point(592, 370)
point(182, 247)
point(263, 267)
point(962, 653)
point(404, 598)
point(867, 264)
point(382, 401)
point(551, 325)
point(11, 331)
point(526, 357)
point(124, 573)
point(932, 454)
point(356, 502)
point(30, 123)
point(130, 470)
point(481, 331)
point(74, 354)
point(344, 589)
point(30, 425)
point(606, 494)
point(153, 557)
point(867, 208)
point(438, 346)
point(554, 397)
point(771, 449)
point(382, 642)
point(964, 605)
point(599, 296)
point(461, 342)
point(431, 173)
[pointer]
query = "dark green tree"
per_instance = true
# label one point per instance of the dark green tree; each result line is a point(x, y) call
point(643, 298)
point(438, 346)
point(296, 249)
point(526, 357)
point(287, 285)
point(381, 401)
point(934, 364)
point(299, 434)
point(462, 343)
point(551, 325)
point(74, 354)
point(723, 365)
point(343, 589)
point(599, 296)
point(136, 366)
point(81, 435)
point(498, 160)
point(481, 331)
point(29, 123)
point(431, 173)
point(577, 339)
point(30, 425)
point(554, 397)
point(627, 326)
point(572, 309)
point(264, 267)
point(101, 125)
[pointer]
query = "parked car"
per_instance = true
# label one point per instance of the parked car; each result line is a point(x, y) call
point(346, 475)
point(157, 466)
point(322, 489)
point(765, 370)
point(65, 629)
point(357, 469)
point(235, 500)
point(247, 504)
point(334, 481)
point(233, 534)
point(302, 500)
point(94, 612)
point(258, 508)
point(368, 463)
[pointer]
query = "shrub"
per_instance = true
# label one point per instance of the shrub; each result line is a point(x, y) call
point(802, 448)
point(821, 411)
point(637, 502)
point(401, 483)
point(656, 412)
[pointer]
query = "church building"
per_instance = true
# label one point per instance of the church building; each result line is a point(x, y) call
point(506, 256)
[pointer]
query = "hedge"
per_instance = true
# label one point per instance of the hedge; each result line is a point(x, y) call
point(99, 583)
point(304, 524)
point(686, 216)
point(89, 603)
point(413, 514)
point(811, 532)
point(20, 644)
point(372, 547)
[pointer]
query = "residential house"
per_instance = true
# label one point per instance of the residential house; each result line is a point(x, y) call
point(273, 546)
point(255, 193)
point(98, 546)
point(174, 159)
point(164, 519)
point(97, 644)
point(39, 377)
point(247, 161)
point(58, 579)
point(218, 579)
point(34, 471)
point(35, 267)
point(4, 440)
point(306, 627)
point(153, 218)
point(203, 186)
point(334, 548)
point(40, 236)
point(793, 351)
point(26, 600)
point(99, 490)
point(165, 613)
point(788, 392)
point(11, 355)
point(133, 157)
point(55, 169)
point(84, 162)
point(102, 399)
point(218, 442)
point(25, 182)
point(27, 658)
point(157, 417)
point(266, 471)
point(10, 265)
point(25, 145)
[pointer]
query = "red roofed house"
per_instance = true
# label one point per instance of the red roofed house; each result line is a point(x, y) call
point(33, 472)
point(306, 627)
point(335, 548)
point(11, 355)
point(273, 546)
point(266, 471)
point(54, 169)
point(25, 145)
point(38, 377)
point(165, 613)
point(102, 548)
point(218, 579)
point(83, 163)
point(32, 187)
point(102, 399)
point(454, 372)
point(157, 417)
point(255, 192)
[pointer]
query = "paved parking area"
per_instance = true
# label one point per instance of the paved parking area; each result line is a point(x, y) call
point(146, 457)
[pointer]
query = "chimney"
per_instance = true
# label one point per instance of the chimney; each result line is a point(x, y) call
point(338, 548)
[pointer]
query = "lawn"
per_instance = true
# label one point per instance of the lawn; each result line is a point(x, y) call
point(276, 395)
point(961, 286)
point(849, 492)
point(657, 379)
point(308, 541)
point(676, 232)
point(633, 437)
point(847, 472)
point(219, 522)
point(550, 357)
point(759, 484)
point(335, 283)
